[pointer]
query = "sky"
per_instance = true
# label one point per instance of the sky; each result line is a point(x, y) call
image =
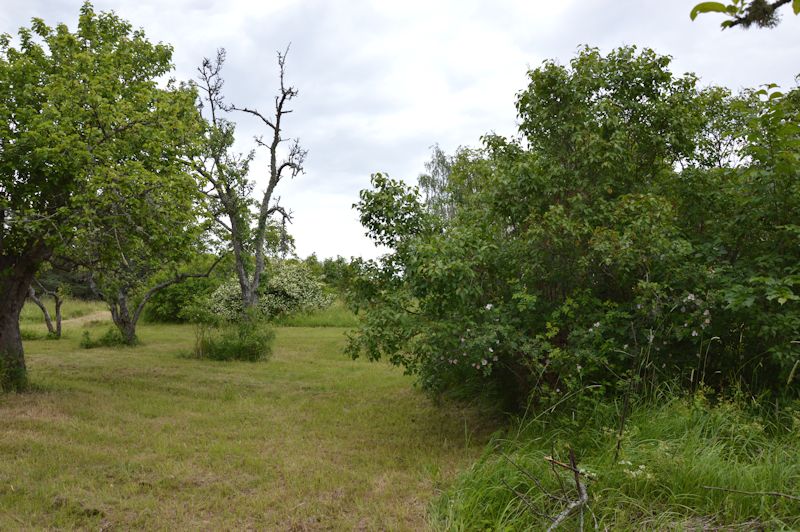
point(381, 81)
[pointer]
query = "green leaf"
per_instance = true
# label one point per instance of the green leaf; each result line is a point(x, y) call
point(708, 7)
point(796, 7)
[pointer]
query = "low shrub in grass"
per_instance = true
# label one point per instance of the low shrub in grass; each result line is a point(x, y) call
point(111, 338)
point(249, 340)
point(682, 464)
point(218, 338)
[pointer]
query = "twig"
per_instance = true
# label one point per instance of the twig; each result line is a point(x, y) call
point(743, 492)
point(531, 477)
point(566, 466)
point(524, 498)
point(555, 473)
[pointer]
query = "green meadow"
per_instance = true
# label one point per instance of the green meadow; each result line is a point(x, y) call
point(145, 437)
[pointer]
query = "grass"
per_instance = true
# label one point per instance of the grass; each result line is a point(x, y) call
point(144, 438)
point(670, 453)
point(72, 309)
point(336, 315)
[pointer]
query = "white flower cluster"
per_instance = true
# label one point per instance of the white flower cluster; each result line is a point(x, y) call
point(289, 288)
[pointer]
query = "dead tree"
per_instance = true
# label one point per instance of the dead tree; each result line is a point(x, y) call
point(242, 218)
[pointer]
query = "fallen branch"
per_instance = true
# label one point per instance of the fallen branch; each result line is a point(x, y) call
point(583, 496)
point(767, 493)
point(566, 466)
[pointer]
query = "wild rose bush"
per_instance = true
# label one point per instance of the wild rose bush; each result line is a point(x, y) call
point(639, 230)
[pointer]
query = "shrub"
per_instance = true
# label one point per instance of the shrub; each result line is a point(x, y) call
point(170, 304)
point(641, 230)
point(111, 338)
point(289, 287)
point(248, 340)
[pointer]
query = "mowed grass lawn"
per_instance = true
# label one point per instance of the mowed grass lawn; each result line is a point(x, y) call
point(143, 437)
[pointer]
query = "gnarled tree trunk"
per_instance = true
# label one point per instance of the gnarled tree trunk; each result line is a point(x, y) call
point(53, 330)
point(16, 274)
point(123, 318)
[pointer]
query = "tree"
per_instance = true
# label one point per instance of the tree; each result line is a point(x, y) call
point(435, 183)
point(58, 294)
point(142, 236)
point(245, 222)
point(79, 112)
point(745, 14)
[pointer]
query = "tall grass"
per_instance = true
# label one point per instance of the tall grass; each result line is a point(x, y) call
point(678, 462)
point(336, 315)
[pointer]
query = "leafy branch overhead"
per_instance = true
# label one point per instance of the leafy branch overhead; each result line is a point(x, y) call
point(745, 14)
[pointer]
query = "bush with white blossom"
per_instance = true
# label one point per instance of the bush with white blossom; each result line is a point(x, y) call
point(289, 287)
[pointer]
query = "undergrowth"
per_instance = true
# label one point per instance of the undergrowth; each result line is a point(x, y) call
point(111, 338)
point(682, 464)
point(248, 340)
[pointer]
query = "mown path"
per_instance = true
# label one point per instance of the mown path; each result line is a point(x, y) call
point(143, 438)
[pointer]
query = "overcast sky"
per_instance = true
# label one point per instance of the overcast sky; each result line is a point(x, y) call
point(381, 81)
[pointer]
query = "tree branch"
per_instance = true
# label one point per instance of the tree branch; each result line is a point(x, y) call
point(761, 18)
point(255, 113)
point(583, 496)
point(177, 279)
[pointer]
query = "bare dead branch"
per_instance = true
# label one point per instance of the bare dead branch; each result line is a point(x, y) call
point(565, 466)
point(583, 495)
point(255, 113)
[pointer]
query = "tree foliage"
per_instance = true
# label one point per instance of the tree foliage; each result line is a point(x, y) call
point(290, 287)
point(640, 230)
point(746, 13)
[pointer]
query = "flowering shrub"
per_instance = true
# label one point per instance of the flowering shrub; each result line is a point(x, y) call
point(640, 231)
point(289, 287)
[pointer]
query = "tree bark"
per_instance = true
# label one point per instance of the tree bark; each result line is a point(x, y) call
point(59, 302)
point(53, 330)
point(16, 274)
point(121, 315)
